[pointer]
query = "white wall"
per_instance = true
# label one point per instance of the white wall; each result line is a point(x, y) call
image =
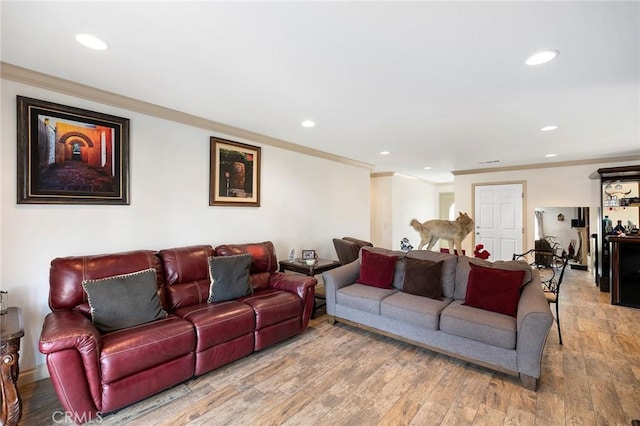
point(411, 199)
point(304, 204)
point(381, 211)
point(566, 186)
point(396, 200)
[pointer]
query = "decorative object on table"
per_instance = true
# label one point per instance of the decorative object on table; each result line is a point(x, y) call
point(69, 155)
point(560, 217)
point(453, 231)
point(309, 255)
point(292, 254)
point(480, 252)
point(405, 245)
point(234, 174)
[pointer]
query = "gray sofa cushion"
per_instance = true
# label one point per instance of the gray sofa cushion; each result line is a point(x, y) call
point(448, 268)
point(463, 269)
point(363, 297)
point(478, 324)
point(417, 310)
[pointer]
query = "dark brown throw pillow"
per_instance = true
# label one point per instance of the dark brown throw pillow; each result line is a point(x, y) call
point(423, 278)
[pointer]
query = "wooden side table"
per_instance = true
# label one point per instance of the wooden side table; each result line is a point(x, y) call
point(11, 331)
point(299, 266)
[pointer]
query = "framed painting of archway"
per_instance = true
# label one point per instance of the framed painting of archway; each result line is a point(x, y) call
point(69, 155)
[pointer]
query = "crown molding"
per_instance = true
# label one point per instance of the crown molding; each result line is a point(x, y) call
point(391, 174)
point(67, 87)
point(382, 174)
point(548, 165)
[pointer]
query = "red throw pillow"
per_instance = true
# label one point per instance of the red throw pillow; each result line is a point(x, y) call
point(493, 289)
point(377, 269)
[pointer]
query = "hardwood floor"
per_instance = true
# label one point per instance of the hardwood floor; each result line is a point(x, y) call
point(339, 375)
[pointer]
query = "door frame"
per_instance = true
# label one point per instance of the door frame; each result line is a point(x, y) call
point(525, 225)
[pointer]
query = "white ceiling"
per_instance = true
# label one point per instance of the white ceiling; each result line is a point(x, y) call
point(440, 84)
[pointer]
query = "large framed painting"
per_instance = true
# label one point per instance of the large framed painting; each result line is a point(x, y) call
point(69, 155)
point(234, 176)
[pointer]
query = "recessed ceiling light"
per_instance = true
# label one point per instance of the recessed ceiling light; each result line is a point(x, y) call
point(551, 155)
point(542, 57)
point(427, 168)
point(92, 42)
point(548, 128)
point(307, 123)
point(385, 152)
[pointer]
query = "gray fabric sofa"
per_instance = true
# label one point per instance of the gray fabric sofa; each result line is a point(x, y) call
point(500, 342)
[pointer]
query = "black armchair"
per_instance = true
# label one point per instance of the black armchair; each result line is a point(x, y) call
point(551, 267)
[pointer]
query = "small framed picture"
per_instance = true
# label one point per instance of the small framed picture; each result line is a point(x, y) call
point(308, 254)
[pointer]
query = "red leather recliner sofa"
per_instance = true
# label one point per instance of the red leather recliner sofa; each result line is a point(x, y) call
point(94, 372)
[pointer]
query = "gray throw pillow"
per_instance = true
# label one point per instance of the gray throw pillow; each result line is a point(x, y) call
point(229, 277)
point(124, 301)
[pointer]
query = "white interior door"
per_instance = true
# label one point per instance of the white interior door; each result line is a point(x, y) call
point(498, 219)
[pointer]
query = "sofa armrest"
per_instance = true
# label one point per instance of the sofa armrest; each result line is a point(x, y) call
point(337, 278)
point(302, 285)
point(293, 283)
point(534, 321)
point(69, 330)
point(72, 345)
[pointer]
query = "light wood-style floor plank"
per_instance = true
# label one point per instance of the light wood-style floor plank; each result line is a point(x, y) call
point(338, 375)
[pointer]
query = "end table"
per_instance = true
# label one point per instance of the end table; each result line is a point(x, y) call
point(300, 266)
point(11, 331)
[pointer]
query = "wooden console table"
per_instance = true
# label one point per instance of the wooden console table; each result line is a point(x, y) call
point(11, 331)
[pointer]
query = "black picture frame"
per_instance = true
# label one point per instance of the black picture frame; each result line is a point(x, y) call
point(234, 174)
point(308, 254)
point(69, 155)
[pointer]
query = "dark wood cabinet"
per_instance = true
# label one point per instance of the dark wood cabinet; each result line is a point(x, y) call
point(620, 191)
point(625, 271)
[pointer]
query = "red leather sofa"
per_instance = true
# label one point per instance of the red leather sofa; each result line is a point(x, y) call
point(95, 372)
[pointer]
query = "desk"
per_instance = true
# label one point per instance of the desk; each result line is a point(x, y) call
point(11, 331)
point(299, 266)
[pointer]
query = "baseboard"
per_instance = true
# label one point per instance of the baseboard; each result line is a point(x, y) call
point(33, 375)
